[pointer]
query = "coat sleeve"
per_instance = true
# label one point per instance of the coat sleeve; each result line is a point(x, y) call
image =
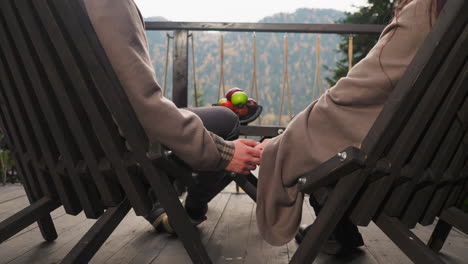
point(340, 118)
point(121, 32)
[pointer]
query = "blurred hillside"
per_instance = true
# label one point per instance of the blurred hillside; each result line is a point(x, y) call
point(270, 60)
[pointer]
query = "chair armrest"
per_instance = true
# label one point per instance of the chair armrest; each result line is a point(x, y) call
point(342, 164)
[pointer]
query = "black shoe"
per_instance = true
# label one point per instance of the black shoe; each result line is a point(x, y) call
point(196, 211)
point(348, 234)
point(159, 220)
point(332, 246)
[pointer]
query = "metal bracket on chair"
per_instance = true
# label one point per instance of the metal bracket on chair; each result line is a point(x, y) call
point(332, 170)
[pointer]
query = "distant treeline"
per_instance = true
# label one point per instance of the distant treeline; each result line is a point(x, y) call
point(270, 61)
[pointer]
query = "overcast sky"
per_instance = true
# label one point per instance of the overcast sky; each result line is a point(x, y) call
point(234, 10)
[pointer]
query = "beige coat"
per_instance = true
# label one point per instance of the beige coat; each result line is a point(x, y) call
point(121, 32)
point(340, 118)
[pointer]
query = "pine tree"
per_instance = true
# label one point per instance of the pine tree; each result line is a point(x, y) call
point(376, 12)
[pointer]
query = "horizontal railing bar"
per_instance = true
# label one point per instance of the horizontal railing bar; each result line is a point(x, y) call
point(267, 27)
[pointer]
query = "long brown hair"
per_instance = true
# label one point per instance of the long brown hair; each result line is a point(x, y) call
point(437, 4)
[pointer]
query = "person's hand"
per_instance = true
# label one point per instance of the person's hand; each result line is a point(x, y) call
point(262, 145)
point(246, 156)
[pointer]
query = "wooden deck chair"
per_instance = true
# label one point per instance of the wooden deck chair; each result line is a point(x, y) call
point(62, 108)
point(411, 167)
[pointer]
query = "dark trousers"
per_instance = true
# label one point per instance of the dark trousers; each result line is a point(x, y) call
point(224, 123)
point(345, 232)
point(219, 120)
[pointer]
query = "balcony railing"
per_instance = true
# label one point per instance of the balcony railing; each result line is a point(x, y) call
point(180, 55)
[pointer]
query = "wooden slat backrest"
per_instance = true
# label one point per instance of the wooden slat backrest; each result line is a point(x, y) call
point(107, 85)
point(424, 177)
point(103, 83)
point(419, 74)
point(431, 189)
point(100, 107)
point(50, 55)
point(449, 186)
point(441, 139)
point(422, 168)
point(15, 146)
point(53, 124)
point(46, 102)
point(72, 107)
point(19, 114)
point(403, 122)
point(452, 192)
point(52, 99)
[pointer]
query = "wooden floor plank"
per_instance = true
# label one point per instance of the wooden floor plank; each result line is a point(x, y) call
point(228, 243)
point(217, 207)
point(230, 233)
point(148, 249)
point(308, 216)
point(173, 252)
point(460, 232)
point(29, 245)
point(173, 248)
point(130, 237)
point(381, 247)
point(12, 206)
point(455, 249)
point(10, 190)
point(259, 251)
point(12, 198)
point(54, 252)
point(59, 212)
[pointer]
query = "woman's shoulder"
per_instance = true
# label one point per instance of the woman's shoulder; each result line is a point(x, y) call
point(414, 18)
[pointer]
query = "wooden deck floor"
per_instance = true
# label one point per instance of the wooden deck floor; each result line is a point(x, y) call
point(230, 234)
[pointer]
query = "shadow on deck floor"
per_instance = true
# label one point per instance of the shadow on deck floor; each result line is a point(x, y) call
point(230, 234)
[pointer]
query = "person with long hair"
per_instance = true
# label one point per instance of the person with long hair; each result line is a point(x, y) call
point(341, 117)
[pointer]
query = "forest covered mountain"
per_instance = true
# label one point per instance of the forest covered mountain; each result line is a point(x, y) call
point(238, 58)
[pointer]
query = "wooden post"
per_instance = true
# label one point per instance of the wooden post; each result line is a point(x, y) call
point(2, 163)
point(180, 69)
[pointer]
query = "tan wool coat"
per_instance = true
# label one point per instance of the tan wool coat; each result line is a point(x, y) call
point(340, 118)
point(120, 30)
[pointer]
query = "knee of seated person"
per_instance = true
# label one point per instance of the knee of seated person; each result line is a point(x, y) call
point(228, 115)
point(230, 122)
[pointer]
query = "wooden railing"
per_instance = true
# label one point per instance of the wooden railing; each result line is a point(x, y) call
point(180, 57)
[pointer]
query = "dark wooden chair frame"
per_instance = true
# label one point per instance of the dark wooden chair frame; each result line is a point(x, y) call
point(64, 112)
point(62, 108)
point(412, 165)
